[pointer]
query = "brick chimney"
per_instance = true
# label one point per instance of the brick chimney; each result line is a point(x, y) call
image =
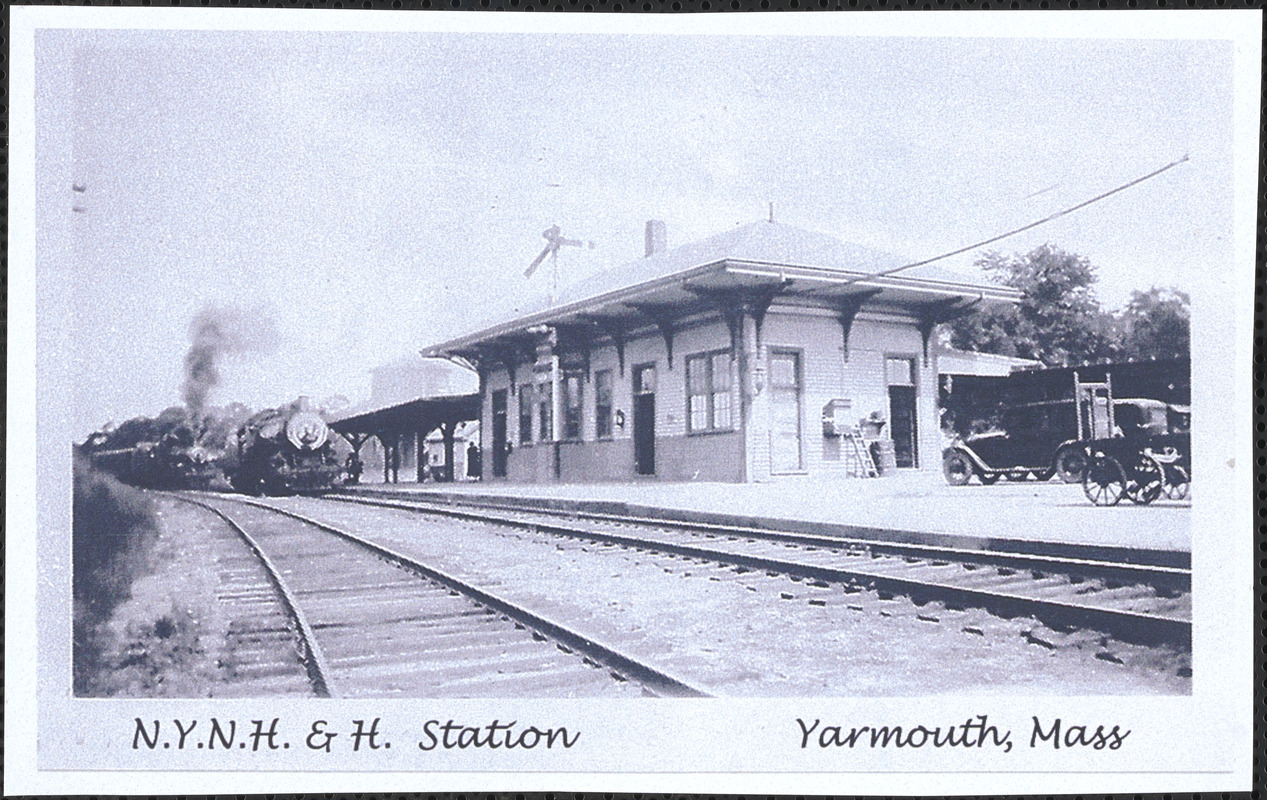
point(657, 237)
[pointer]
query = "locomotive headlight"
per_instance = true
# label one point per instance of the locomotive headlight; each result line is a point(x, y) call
point(307, 431)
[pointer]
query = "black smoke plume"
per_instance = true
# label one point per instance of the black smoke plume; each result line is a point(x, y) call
point(214, 334)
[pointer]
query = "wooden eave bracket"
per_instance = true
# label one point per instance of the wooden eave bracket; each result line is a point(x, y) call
point(613, 330)
point(662, 317)
point(357, 440)
point(470, 358)
point(582, 335)
point(934, 314)
point(510, 352)
point(733, 302)
point(847, 310)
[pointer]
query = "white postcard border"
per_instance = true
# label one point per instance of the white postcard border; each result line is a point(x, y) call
point(1204, 741)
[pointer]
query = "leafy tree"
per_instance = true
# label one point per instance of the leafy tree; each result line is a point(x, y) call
point(1154, 325)
point(1058, 320)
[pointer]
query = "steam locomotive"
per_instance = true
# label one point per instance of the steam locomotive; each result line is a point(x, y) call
point(175, 461)
point(283, 451)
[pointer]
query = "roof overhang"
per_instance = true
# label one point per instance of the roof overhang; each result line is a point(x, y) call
point(697, 289)
point(421, 413)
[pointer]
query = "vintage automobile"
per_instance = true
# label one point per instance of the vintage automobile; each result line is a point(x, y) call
point(1042, 439)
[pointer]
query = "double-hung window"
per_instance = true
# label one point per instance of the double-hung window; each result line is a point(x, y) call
point(572, 397)
point(603, 404)
point(708, 392)
point(525, 414)
point(545, 406)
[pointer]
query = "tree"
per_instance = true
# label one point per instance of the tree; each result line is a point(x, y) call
point(1058, 320)
point(1154, 325)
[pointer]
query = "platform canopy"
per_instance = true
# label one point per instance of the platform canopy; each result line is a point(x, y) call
point(421, 414)
point(751, 265)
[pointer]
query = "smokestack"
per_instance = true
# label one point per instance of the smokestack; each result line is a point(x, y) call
point(657, 237)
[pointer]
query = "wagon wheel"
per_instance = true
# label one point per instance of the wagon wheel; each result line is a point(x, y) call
point(1104, 481)
point(957, 468)
point(1176, 485)
point(1146, 480)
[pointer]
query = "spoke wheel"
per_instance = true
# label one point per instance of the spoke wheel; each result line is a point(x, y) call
point(1146, 480)
point(957, 468)
point(1104, 482)
point(1071, 464)
point(1176, 486)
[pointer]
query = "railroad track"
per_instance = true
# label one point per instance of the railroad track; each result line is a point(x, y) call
point(367, 621)
point(261, 653)
point(1134, 603)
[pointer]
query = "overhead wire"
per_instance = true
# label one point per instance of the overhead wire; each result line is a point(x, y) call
point(1023, 228)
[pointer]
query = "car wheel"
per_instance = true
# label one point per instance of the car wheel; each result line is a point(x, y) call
point(957, 468)
point(1071, 464)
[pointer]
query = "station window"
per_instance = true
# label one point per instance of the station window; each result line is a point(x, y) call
point(545, 413)
point(572, 397)
point(603, 404)
point(708, 391)
point(525, 414)
point(900, 371)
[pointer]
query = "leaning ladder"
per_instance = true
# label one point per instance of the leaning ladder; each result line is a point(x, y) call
point(860, 455)
point(1086, 396)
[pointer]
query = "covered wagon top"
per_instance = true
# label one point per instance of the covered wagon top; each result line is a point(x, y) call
point(762, 258)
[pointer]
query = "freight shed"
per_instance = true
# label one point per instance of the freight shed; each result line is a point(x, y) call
point(747, 355)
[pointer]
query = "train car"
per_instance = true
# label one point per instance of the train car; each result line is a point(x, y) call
point(119, 462)
point(176, 461)
point(285, 451)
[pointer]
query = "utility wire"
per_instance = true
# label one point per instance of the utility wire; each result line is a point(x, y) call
point(1042, 221)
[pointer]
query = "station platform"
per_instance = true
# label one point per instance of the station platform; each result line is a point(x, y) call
point(1051, 517)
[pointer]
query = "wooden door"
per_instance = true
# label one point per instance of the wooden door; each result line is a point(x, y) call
point(499, 433)
point(900, 374)
point(644, 420)
point(785, 412)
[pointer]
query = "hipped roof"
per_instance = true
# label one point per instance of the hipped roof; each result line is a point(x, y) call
point(761, 254)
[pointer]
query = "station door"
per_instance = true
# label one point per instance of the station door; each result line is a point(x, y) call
point(644, 419)
point(499, 433)
point(900, 373)
point(785, 412)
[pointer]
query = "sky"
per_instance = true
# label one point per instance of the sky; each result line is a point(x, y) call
point(368, 194)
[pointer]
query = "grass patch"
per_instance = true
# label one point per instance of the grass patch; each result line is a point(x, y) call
point(112, 539)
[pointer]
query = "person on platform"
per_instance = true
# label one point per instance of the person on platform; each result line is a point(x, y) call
point(354, 467)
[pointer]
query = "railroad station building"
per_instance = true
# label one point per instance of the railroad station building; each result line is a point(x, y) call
point(764, 351)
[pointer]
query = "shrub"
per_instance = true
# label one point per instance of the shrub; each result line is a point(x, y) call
point(112, 540)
